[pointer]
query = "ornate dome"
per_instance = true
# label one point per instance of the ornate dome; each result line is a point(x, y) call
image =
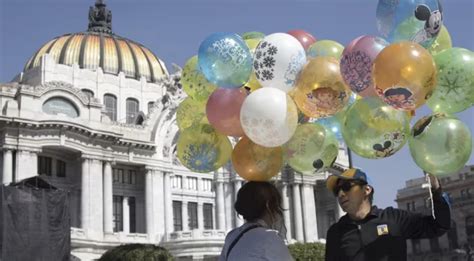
point(99, 47)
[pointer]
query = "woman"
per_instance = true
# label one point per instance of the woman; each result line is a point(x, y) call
point(259, 203)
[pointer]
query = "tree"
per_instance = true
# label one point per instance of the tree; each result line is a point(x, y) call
point(132, 252)
point(307, 251)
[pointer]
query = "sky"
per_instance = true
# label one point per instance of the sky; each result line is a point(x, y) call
point(174, 29)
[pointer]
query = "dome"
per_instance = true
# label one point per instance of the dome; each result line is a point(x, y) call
point(99, 47)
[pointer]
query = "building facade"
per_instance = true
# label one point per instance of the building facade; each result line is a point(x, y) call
point(456, 244)
point(95, 114)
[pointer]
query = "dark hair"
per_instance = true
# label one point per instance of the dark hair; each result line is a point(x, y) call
point(398, 91)
point(255, 198)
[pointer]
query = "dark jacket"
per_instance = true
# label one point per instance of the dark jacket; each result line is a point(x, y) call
point(383, 233)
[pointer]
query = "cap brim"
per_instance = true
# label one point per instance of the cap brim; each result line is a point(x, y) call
point(331, 182)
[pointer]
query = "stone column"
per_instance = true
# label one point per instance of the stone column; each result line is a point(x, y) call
point(108, 198)
point(286, 209)
point(239, 221)
point(228, 192)
point(220, 212)
point(309, 214)
point(158, 203)
point(96, 198)
point(26, 165)
point(168, 203)
point(185, 215)
point(149, 206)
point(126, 215)
point(85, 195)
point(7, 177)
point(297, 213)
point(200, 216)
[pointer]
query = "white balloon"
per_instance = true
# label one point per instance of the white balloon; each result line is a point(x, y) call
point(269, 117)
point(278, 60)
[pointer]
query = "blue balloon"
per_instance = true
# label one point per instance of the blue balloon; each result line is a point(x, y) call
point(419, 21)
point(225, 60)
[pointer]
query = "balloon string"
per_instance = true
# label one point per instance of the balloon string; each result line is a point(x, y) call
point(431, 195)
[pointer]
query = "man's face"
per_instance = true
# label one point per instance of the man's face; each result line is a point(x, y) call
point(351, 195)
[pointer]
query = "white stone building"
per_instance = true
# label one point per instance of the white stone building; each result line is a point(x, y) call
point(94, 113)
point(459, 241)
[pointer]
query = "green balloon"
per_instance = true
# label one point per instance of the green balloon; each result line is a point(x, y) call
point(189, 113)
point(442, 42)
point(312, 148)
point(374, 129)
point(440, 144)
point(325, 48)
point(194, 83)
point(455, 81)
point(201, 149)
point(253, 35)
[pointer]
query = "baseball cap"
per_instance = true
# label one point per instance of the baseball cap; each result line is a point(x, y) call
point(350, 174)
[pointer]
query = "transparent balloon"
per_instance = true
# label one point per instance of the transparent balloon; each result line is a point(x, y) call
point(325, 48)
point(194, 83)
point(441, 42)
point(190, 112)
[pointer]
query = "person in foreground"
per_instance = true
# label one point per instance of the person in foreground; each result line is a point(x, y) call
point(259, 203)
point(369, 233)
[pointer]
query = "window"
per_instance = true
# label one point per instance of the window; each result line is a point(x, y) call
point(117, 175)
point(44, 165)
point(88, 93)
point(207, 212)
point(207, 184)
point(132, 110)
point(131, 204)
point(470, 230)
point(60, 106)
point(434, 244)
point(110, 102)
point(192, 215)
point(416, 246)
point(192, 183)
point(118, 213)
point(453, 236)
point(177, 216)
point(124, 176)
point(60, 168)
point(150, 105)
point(177, 182)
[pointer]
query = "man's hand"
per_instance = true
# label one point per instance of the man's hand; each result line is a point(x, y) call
point(434, 181)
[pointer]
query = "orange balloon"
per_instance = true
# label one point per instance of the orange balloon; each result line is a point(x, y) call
point(256, 163)
point(320, 90)
point(405, 75)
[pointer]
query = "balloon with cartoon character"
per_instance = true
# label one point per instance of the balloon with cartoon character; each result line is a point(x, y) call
point(357, 62)
point(194, 83)
point(419, 21)
point(455, 89)
point(278, 60)
point(201, 149)
point(256, 163)
point(373, 129)
point(440, 144)
point(320, 90)
point(404, 74)
point(311, 143)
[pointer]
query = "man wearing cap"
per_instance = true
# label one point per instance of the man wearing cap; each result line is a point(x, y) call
point(369, 233)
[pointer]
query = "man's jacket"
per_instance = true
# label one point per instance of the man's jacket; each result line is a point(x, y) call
point(383, 233)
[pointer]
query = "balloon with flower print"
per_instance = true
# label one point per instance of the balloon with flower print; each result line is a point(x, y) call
point(278, 60)
point(225, 60)
point(201, 149)
point(252, 83)
point(194, 83)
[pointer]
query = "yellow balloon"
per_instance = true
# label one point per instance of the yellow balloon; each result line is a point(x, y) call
point(190, 112)
point(201, 149)
point(253, 84)
point(320, 90)
point(442, 42)
point(405, 75)
point(256, 163)
point(194, 82)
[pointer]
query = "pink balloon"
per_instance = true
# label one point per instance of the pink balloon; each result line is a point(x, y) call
point(305, 38)
point(223, 110)
point(357, 61)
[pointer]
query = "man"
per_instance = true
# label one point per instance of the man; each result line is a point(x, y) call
point(369, 233)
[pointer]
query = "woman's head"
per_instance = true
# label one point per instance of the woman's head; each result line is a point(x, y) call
point(255, 200)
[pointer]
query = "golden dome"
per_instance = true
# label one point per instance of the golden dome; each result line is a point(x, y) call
point(99, 47)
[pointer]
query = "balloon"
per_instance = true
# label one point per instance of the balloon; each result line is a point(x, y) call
point(190, 112)
point(305, 38)
point(311, 148)
point(455, 89)
point(320, 90)
point(404, 75)
point(253, 35)
point(269, 117)
point(357, 62)
point(278, 60)
point(441, 42)
point(256, 163)
point(253, 83)
point(201, 149)
point(419, 21)
point(193, 81)
point(325, 48)
point(440, 144)
point(223, 111)
point(373, 129)
point(225, 60)
point(332, 124)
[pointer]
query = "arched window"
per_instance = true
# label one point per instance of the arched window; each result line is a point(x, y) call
point(60, 106)
point(89, 93)
point(132, 110)
point(110, 102)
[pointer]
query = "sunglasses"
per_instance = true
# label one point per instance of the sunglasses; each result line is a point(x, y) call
point(346, 186)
